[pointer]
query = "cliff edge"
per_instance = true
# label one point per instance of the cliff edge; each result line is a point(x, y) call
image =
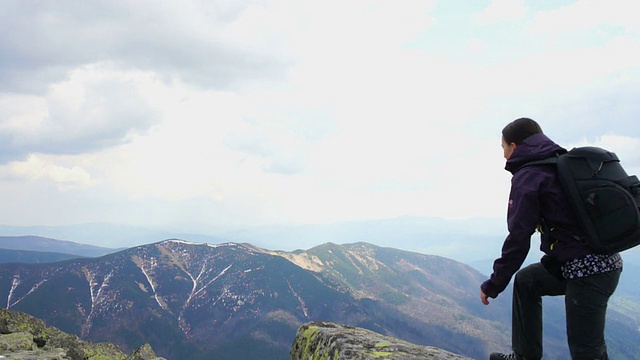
point(325, 340)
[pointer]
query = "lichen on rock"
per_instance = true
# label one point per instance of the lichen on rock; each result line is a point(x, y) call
point(26, 337)
point(330, 341)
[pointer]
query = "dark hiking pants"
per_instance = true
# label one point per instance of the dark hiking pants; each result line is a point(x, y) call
point(585, 305)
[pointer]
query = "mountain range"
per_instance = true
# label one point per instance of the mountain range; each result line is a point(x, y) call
point(48, 245)
point(238, 301)
point(474, 241)
point(459, 239)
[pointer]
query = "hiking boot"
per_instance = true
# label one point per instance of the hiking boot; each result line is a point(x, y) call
point(500, 356)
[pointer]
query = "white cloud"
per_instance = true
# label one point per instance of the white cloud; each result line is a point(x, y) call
point(627, 148)
point(42, 43)
point(502, 10)
point(95, 108)
point(585, 15)
point(43, 168)
point(476, 46)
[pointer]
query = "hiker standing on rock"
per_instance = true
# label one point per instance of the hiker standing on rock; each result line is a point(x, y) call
point(569, 267)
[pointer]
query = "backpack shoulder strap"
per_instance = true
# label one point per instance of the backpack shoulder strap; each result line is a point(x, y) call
point(553, 160)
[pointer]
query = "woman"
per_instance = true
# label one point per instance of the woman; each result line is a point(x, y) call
point(569, 267)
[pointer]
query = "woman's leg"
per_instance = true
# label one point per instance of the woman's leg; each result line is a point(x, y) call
point(586, 305)
point(530, 285)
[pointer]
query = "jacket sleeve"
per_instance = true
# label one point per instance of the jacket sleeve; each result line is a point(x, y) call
point(523, 216)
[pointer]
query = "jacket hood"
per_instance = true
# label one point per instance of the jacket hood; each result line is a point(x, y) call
point(535, 147)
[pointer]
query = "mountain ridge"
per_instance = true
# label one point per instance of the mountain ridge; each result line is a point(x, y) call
point(445, 237)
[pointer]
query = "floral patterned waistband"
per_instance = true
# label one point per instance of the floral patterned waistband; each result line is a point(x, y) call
point(590, 265)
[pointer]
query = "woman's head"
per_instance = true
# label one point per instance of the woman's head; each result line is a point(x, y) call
point(515, 132)
point(520, 129)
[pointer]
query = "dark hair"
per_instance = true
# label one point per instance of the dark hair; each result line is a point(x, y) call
point(520, 129)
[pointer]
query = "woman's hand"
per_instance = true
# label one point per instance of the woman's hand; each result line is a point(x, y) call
point(484, 297)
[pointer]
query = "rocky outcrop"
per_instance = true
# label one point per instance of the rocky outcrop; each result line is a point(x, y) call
point(25, 337)
point(325, 340)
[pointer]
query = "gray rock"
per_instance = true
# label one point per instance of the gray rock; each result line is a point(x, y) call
point(17, 342)
point(144, 352)
point(325, 340)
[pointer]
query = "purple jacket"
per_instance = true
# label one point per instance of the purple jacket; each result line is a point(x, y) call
point(536, 198)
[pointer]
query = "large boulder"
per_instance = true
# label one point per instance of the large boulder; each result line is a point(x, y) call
point(325, 340)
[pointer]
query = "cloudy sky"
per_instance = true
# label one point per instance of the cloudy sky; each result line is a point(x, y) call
point(242, 112)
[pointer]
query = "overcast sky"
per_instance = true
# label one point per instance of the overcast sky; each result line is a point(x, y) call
point(241, 112)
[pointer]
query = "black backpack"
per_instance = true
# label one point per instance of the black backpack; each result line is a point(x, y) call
point(605, 198)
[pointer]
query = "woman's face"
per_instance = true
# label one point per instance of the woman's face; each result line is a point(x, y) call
point(508, 148)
